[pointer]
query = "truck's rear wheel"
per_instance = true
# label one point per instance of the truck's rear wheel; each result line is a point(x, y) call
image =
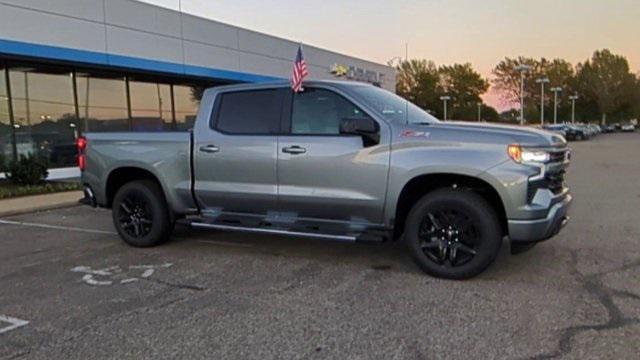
point(140, 214)
point(453, 233)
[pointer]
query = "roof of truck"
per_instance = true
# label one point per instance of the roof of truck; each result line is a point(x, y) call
point(338, 83)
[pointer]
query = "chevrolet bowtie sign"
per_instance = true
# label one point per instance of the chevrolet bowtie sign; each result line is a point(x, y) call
point(339, 70)
point(357, 74)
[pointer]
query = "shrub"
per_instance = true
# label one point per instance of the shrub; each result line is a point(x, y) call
point(28, 170)
point(10, 190)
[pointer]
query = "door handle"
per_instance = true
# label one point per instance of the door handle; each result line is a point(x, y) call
point(295, 149)
point(209, 149)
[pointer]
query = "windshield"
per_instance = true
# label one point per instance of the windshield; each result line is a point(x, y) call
point(393, 107)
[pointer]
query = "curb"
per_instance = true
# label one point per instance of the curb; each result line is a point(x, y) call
point(33, 203)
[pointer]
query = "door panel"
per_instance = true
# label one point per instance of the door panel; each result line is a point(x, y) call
point(322, 174)
point(239, 177)
point(235, 157)
point(336, 178)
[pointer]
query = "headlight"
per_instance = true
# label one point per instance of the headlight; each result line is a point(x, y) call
point(524, 155)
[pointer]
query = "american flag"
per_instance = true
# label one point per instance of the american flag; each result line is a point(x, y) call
point(299, 71)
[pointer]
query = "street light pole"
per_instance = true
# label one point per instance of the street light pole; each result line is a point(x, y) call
point(479, 112)
point(555, 90)
point(573, 99)
point(445, 98)
point(542, 81)
point(522, 69)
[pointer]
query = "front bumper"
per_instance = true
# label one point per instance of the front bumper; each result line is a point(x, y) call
point(541, 229)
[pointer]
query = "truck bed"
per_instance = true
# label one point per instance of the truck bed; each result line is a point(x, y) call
point(167, 155)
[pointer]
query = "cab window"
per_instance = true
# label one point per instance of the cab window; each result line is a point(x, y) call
point(319, 112)
point(254, 112)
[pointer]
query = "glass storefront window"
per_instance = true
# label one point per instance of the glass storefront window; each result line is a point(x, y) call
point(102, 101)
point(6, 147)
point(150, 106)
point(187, 101)
point(44, 113)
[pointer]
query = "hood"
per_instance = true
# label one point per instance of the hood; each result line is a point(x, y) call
point(526, 136)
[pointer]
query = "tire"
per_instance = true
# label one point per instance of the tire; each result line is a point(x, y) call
point(140, 214)
point(470, 245)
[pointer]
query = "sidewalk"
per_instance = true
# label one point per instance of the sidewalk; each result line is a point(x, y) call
point(26, 204)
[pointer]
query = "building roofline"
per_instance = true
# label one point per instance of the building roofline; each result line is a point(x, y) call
point(85, 57)
point(265, 34)
point(285, 83)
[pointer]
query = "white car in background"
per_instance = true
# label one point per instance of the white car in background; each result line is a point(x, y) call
point(628, 128)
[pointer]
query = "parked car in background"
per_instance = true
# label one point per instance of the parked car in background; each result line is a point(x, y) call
point(557, 129)
point(586, 130)
point(594, 129)
point(572, 132)
point(608, 129)
point(628, 128)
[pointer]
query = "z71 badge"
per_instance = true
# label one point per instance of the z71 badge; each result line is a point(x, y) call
point(413, 133)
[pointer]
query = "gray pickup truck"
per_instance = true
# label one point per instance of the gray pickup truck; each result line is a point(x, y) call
point(340, 160)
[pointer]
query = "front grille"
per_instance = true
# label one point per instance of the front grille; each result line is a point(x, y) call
point(554, 173)
point(553, 180)
point(557, 156)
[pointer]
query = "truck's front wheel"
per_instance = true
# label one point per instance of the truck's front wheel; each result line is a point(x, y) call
point(140, 214)
point(453, 233)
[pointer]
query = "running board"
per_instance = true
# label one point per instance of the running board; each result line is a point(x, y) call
point(273, 231)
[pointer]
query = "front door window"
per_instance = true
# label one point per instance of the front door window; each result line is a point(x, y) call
point(319, 112)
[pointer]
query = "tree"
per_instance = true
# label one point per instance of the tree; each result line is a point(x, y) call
point(510, 116)
point(196, 93)
point(423, 83)
point(507, 81)
point(489, 113)
point(417, 81)
point(464, 85)
point(606, 80)
point(561, 74)
point(636, 102)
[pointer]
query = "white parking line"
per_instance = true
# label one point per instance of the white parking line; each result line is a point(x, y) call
point(15, 323)
point(94, 231)
point(56, 227)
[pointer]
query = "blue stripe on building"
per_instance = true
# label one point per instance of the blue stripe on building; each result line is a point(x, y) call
point(18, 48)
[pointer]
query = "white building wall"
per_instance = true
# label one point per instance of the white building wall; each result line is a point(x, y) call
point(135, 29)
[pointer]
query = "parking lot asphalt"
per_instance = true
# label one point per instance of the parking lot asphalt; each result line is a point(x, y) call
point(216, 295)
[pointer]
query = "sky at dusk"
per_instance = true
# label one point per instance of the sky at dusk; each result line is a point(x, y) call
point(446, 31)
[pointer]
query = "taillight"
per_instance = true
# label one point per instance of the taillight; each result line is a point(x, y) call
point(81, 144)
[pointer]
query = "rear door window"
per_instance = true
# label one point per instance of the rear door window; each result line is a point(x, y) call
point(254, 112)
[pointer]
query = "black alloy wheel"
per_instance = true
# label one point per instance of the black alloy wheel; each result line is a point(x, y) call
point(453, 233)
point(141, 215)
point(135, 215)
point(448, 237)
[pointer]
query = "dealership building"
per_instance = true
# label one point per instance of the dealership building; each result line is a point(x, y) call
point(70, 66)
